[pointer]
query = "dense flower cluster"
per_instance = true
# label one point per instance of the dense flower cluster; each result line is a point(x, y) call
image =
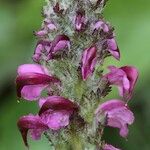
point(66, 78)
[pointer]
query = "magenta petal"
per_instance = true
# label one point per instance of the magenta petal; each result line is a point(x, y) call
point(101, 25)
point(109, 147)
point(37, 57)
point(56, 119)
point(56, 111)
point(32, 92)
point(124, 78)
point(30, 122)
point(117, 115)
point(41, 33)
point(109, 105)
point(39, 48)
point(36, 133)
point(132, 75)
point(40, 81)
point(88, 62)
point(115, 76)
point(31, 68)
point(42, 101)
point(59, 43)
point(113, 48)
point(58, 103)
point(120, 118)
point(119, 78)
point(37, 53)
point(32, 79)
point(50, 25)
point(42, 47)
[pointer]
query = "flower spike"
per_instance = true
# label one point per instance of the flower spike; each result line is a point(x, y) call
point(68, 78)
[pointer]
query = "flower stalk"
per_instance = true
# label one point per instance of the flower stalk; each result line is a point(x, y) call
point(68, 82)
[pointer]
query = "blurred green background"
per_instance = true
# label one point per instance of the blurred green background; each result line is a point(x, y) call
point(18, 20)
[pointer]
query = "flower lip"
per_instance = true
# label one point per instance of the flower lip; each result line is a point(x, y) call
point(117, 115)
point(124, 78)
point(26, 123)
point(58, 103)
point(113, 48)
point(132, 75)
point(33, 79)
point(109, 105)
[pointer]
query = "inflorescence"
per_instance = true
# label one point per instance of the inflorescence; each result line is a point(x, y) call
point(67, 79)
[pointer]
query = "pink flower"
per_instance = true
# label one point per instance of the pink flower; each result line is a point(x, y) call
point(59, 43)
point(110, 42)
point(109, 147)
point(41, 33)
point(42, 47)
point(124, 78)
point(101, 25)
point(32, 79)
point(88, 61)
point(54, 114)
point(117, 115)
point(80, 20)
point(113, 48)
point(56, 111)
point(50, 25)
point(33, 124)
